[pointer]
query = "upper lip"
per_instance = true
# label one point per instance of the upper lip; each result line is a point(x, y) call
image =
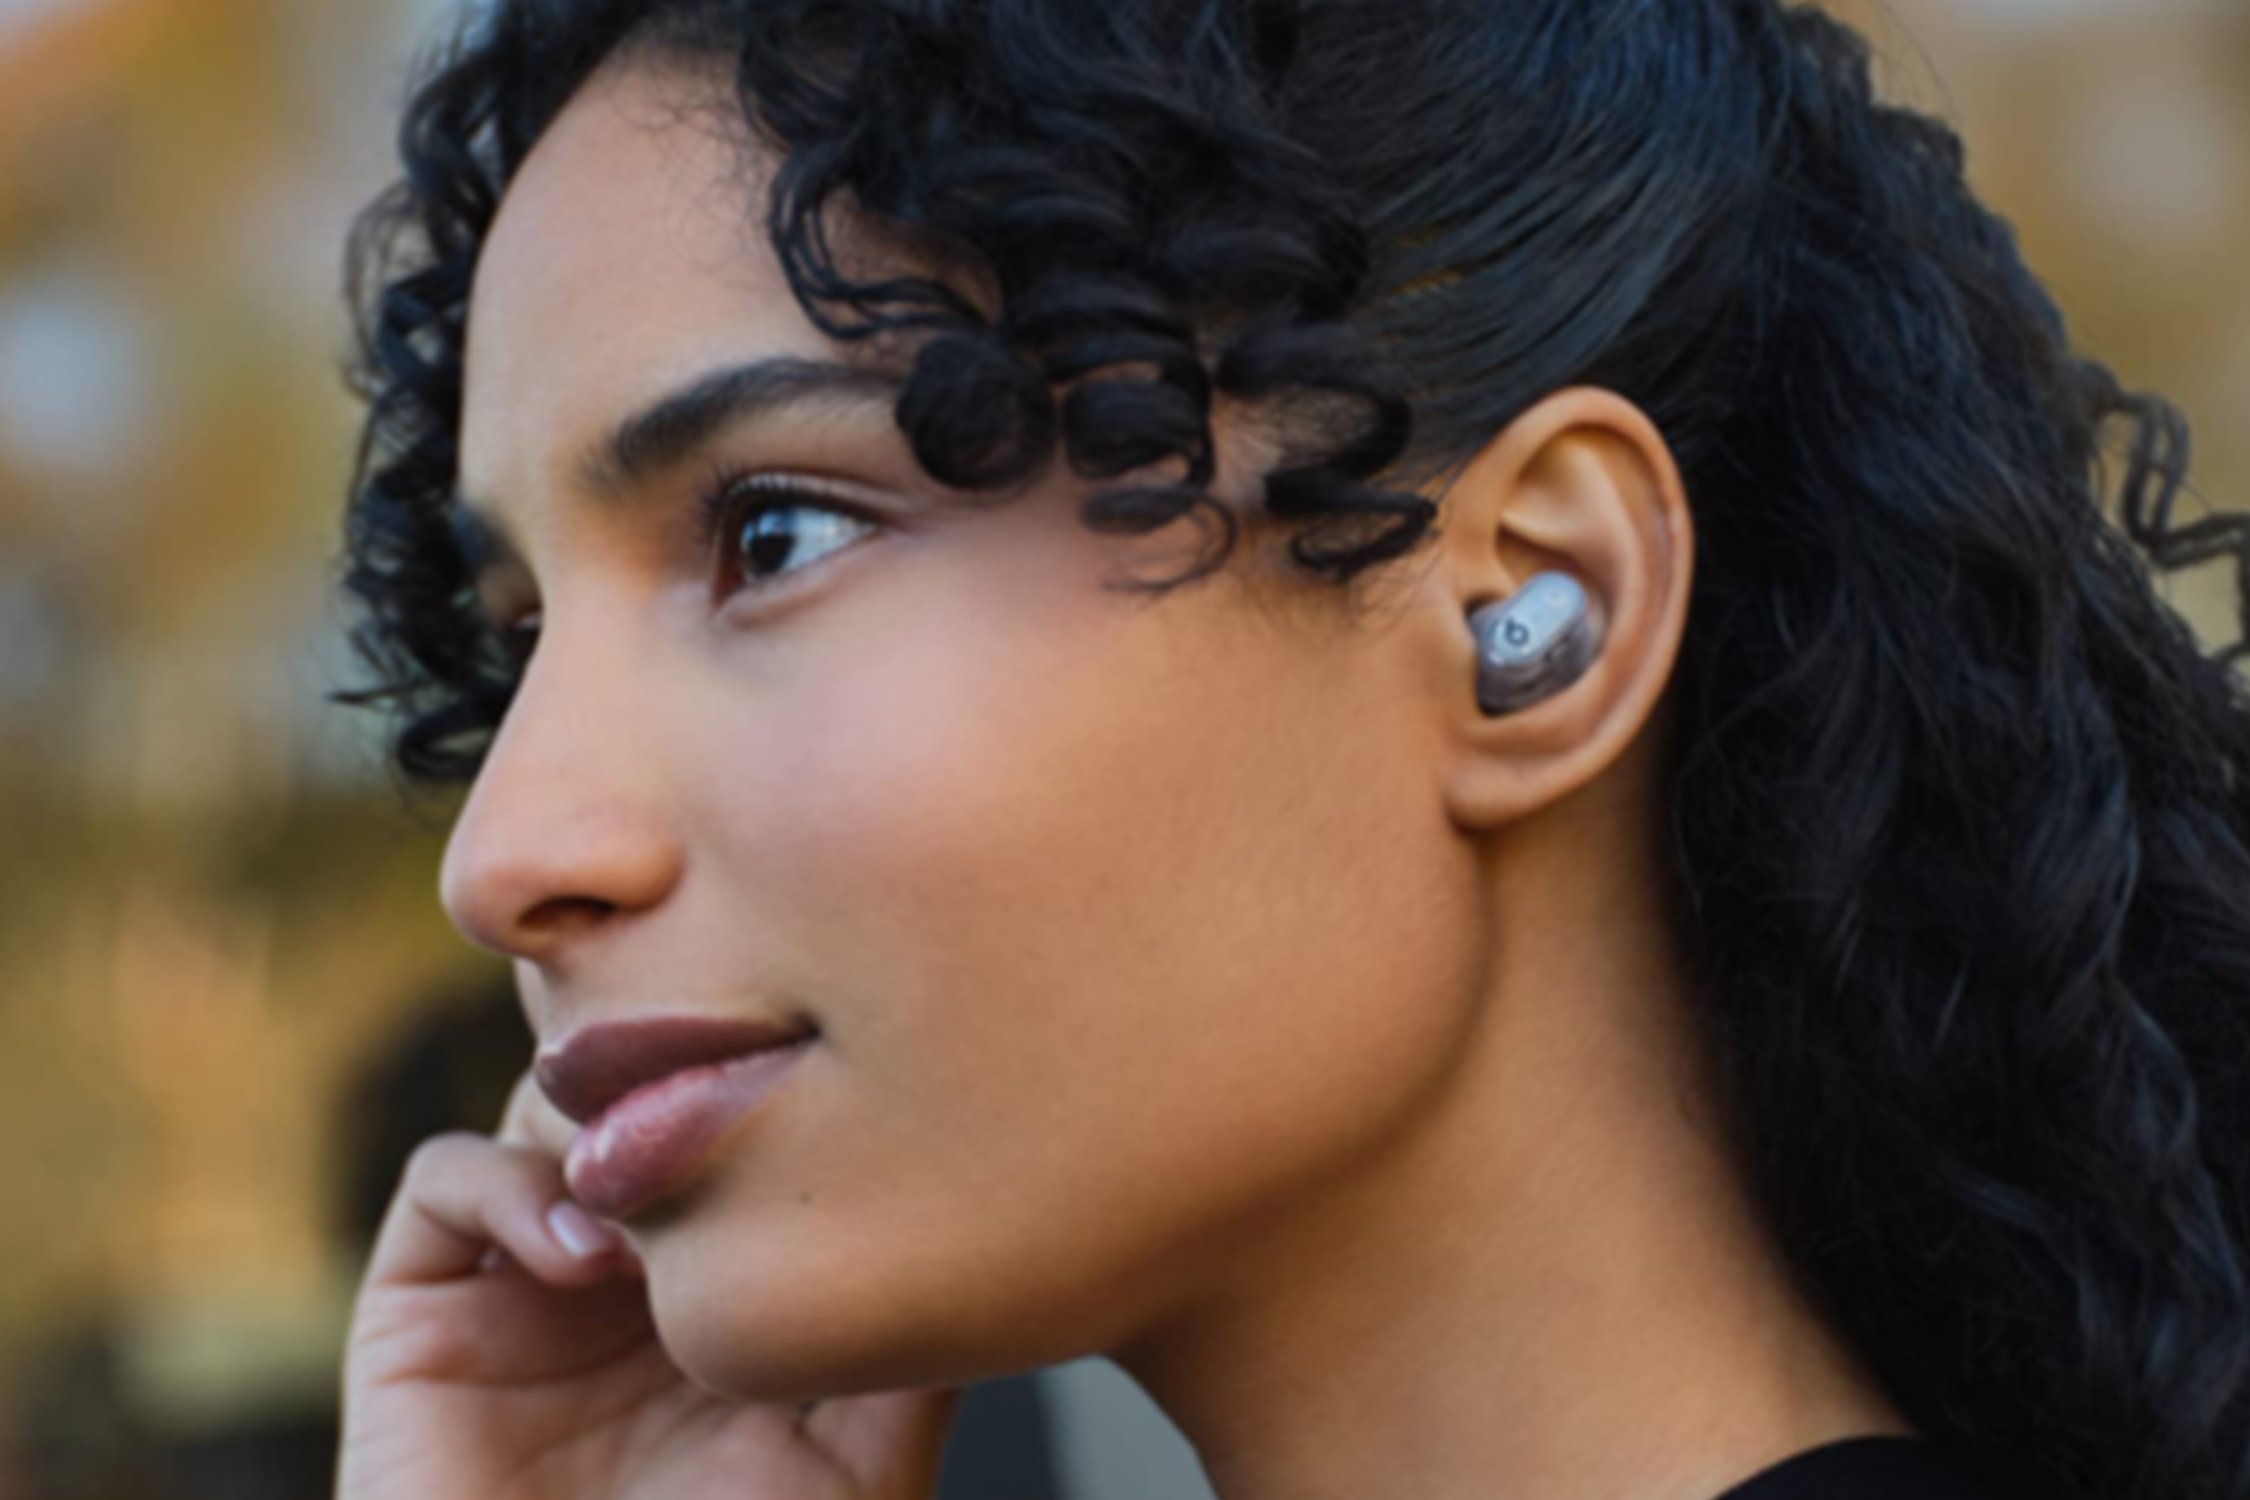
point(596, 1066)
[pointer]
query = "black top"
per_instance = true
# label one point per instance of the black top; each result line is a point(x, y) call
point(1883, 1466)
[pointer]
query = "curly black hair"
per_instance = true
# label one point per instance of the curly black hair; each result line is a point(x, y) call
point(1957, 815)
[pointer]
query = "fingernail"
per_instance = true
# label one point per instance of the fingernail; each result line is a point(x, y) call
point(578, 1231)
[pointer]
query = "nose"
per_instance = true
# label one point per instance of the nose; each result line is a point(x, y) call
point(560, 836)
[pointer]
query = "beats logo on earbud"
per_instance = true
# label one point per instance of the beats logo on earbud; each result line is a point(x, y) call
point(1533, 643)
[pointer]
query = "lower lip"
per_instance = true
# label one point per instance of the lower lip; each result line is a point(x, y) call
point(651, 1143)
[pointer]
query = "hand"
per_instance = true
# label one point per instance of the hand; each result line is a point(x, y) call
point(487, 1361)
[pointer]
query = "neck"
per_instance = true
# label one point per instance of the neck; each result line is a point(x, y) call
point(1553, 1289)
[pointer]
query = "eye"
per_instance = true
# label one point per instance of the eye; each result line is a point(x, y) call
point(756, 524)
point(519, 636)
point(503, 644)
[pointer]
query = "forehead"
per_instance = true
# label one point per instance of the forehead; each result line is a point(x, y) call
point(627, 255)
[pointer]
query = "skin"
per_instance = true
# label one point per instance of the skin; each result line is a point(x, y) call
point(1208, 984)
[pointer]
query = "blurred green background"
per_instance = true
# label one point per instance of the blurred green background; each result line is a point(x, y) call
point(228, 998)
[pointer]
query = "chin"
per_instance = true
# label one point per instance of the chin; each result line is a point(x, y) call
point(754, 1360)
point(814, 1331)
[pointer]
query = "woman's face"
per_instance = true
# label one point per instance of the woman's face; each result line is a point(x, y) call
point(1130, 930)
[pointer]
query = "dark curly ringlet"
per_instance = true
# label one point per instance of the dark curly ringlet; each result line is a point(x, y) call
point(1958, 814)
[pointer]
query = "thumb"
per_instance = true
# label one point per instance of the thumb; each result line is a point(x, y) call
point(890, 1443)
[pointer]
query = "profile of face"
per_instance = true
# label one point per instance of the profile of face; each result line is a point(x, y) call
point(1136, 935)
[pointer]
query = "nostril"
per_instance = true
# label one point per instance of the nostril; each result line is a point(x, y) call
point(566, 913)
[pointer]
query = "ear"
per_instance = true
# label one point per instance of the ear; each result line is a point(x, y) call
point(1582, 483)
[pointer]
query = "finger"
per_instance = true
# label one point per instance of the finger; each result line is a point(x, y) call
point(463, 1194)
point(891, 1443)
point(532, 1120)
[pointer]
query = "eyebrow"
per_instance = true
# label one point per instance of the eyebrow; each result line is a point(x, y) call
point(680, 422)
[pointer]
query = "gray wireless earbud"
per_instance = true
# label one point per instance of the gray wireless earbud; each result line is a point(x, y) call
point(1532, 643)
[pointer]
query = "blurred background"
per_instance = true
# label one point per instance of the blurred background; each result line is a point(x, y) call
point(229, 1001)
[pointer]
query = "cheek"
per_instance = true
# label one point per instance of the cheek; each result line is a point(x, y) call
point(1121, 928)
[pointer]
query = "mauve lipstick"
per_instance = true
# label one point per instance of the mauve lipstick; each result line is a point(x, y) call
point(654, 1095)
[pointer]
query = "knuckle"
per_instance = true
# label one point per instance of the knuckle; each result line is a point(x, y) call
point(405, 1331)
point(441, 1153)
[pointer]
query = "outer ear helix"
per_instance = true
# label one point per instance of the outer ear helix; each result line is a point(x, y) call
point(1534, 643)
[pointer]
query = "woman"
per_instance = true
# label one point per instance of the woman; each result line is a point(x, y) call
point(1418, 714)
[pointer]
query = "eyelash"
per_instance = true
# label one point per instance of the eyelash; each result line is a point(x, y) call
point(730, 500)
